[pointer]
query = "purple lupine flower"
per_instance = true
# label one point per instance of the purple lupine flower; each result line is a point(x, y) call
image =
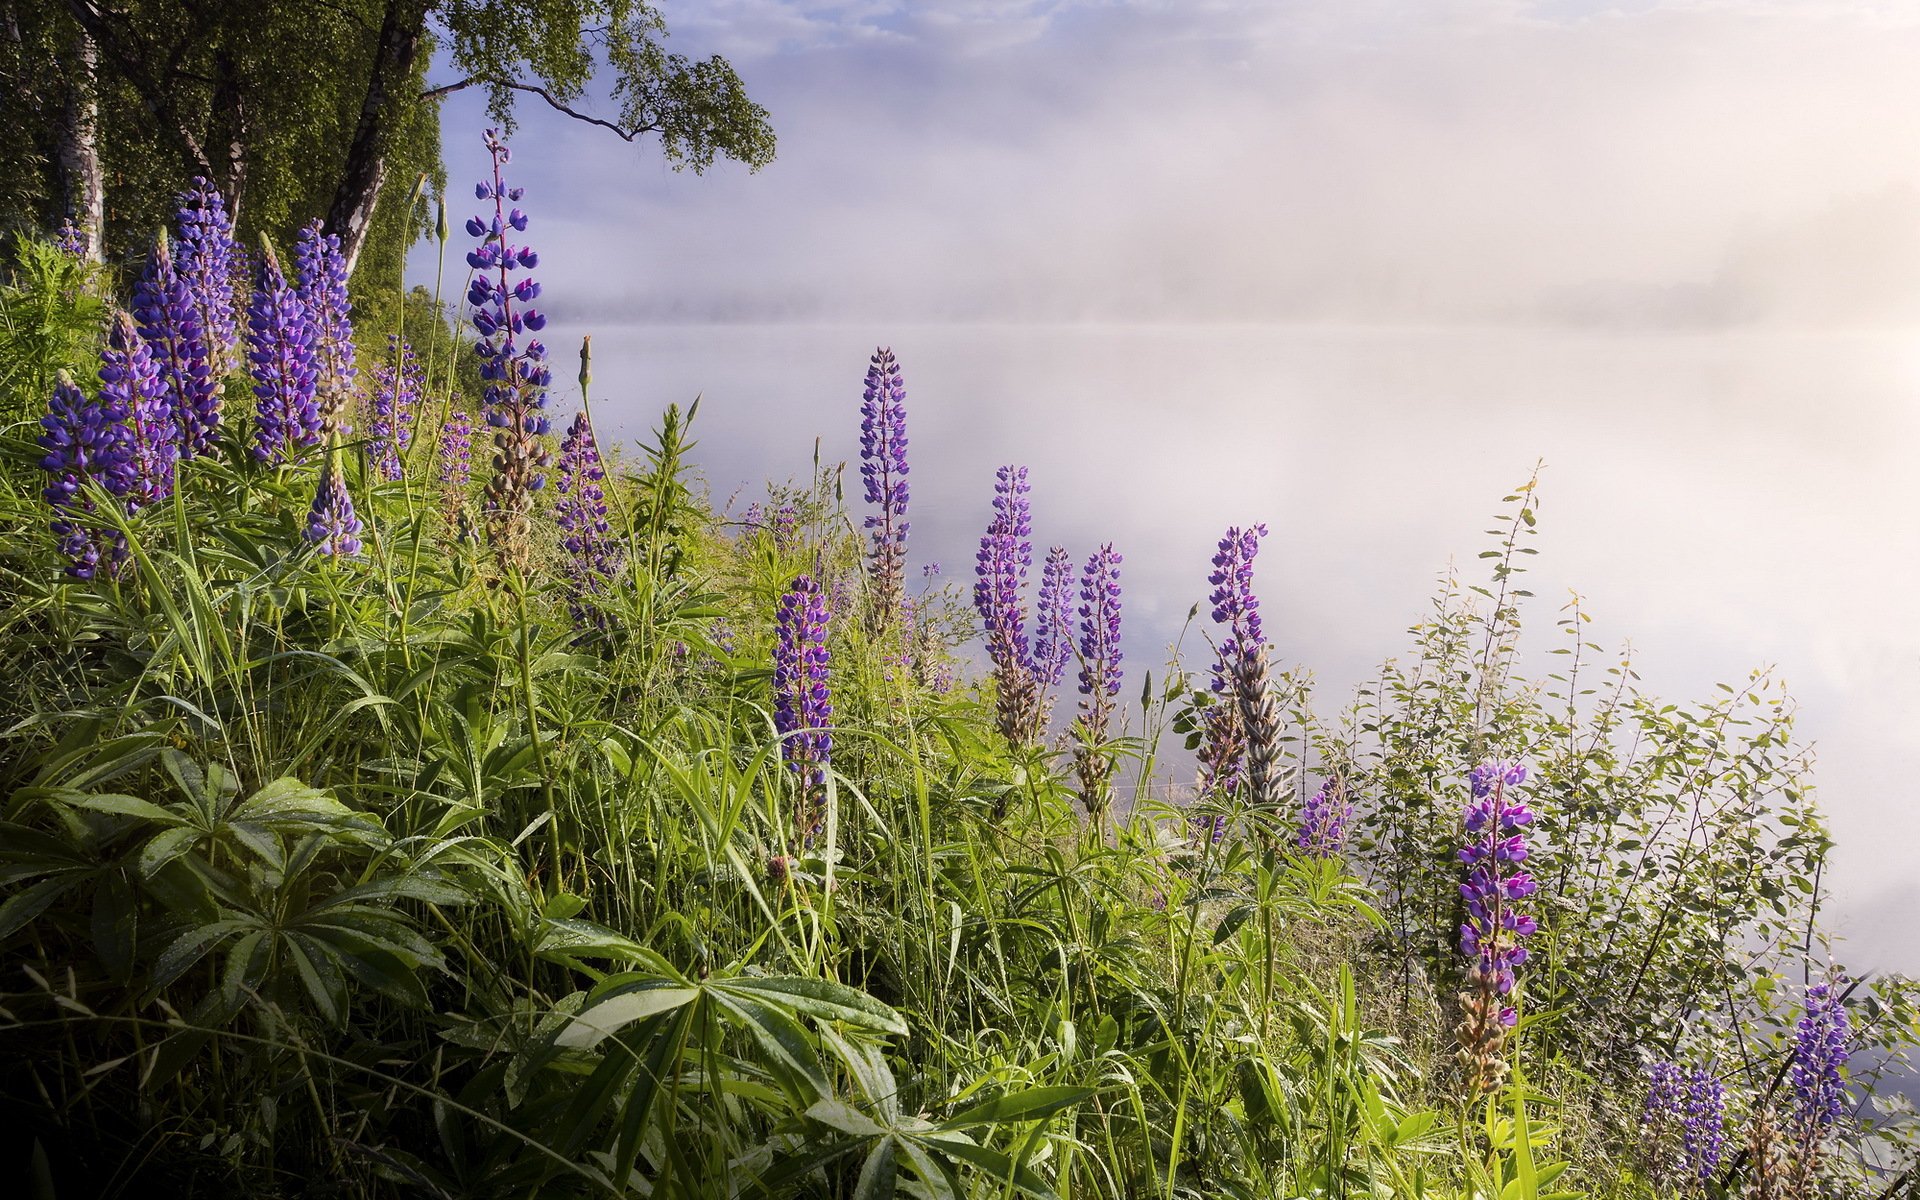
point(1703, 1124)
point(580, 512)
point(1001, 568)
point(69, 239)
point(1323, 822)
point(169, 323)
point(1492, 934)
point(210, 263)
point(396, 393)
point(1053, 623)
point(331, 522)
point(929, 570)
point(883, 467)
point(84, 442)
point(322, 286)
point(130, 387)
point(1206, 828)
point(456, 450)
point(515, 371)
point(1819, 1055)
point(1683, 1122)
point(280, 353)
point(1240, 670)
point(1100, 659)
point(802, 703)
point(786, 527)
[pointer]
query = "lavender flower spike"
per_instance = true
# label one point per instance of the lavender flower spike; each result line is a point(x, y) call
point(883, 467)
point(130, 388)
point(331, 523)
point(1053, 629)
point(1683, 1125)
point(280, 353)
point(802, 703)
point(1492, 934)
point(209, 264)
point(456, 450)
point(84, 443)
point(322, 272)
point(70, 240)
point(515, 372)
point(169, 323)
point(592, 554)
point(1001, 566)
point(396, 393)
point(1100, 659)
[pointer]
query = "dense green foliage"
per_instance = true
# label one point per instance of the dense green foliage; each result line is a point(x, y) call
point(384, 876)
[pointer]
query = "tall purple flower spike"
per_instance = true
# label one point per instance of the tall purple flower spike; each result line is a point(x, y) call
point(1819, 1056)
point(1492, 935)
point(515, 370)
point(1248, 743)
point(802, 701)
point(1053, 624)
point(397, 381)
point(1000, 570)
point(580, 511)
point(883, 468)
point(69, 239)
point(1323, 822)
point(322, 287)
point(210, 264)
point(1100, 673)
point(169, 323)
point(331, 523)
point(1683, 1122)
point(84, 442)
point(131, 389)
point(280, 354)
point(456, 450)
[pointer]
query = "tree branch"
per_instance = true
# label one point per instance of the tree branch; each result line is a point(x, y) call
point(132, 68)
point(553, 102)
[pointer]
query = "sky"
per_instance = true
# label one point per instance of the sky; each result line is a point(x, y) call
point(1349, 268)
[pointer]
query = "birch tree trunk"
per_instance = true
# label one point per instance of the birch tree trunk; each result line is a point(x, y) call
point(78, 151)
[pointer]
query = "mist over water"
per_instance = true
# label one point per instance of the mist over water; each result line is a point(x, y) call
point(1723, 501)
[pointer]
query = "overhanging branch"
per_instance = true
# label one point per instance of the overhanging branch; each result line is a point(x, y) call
point(553, 102)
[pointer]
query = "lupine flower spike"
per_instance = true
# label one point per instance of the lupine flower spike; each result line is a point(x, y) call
point(70, 240)
point(883, 467)
point(1001, 566)
point(280, 354)
point(85, 443)
point(1493, 932)
point(1683, 1125)
point(1052, 631)
point(331, 523)
point(1240, 672)
point(169, 323)
point(1323, 822)
point(322, 286)
point(397, 382)
point(593, 555)
point(1819, 1095)
point(131, 389)
point(802, 703)
point(210, 264)
point(1100, 673)
point(515, 370)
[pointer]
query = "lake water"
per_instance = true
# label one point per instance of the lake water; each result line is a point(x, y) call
point(1724, 501)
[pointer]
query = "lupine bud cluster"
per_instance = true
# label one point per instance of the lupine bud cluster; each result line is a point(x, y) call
point(515, 370)
point(802, 703)
point(331, 523)
point(1492, 934)
point(883, 467)
point(593, 555)
point(1100, 673)
point(131, 388)
point(1240, 671)
point(397, 382)
point(1323, 822)
point(84, 442)
point(322, 287)
point(280, 355)
point(209, 264)
point(1684, 1124)
point(169, 323)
